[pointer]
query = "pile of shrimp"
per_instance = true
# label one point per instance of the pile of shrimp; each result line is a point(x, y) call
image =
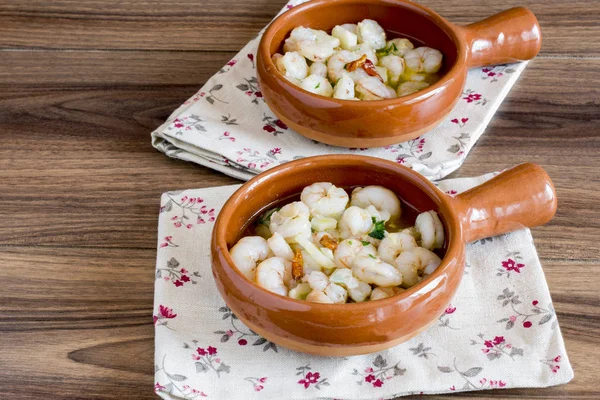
point(356, 62)
point(333, 248)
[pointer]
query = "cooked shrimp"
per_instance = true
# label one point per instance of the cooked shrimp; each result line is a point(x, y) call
point(298, 35)
point(318, 68)
point(292, 65)
point(344, 88)
point(321, 224)
point(395, 67)
point(247, 252)
point(410, 87)
point(371, 269)
point(412, 263)
point(371, 33)
point(347, 38)
point(291, 220)
point(424, 59)
point(365, 49)
point(337, 62)
point(344, 278)
point(318, 85)
point(318, 296)
point(355, 222)
point(360, 293)
point(430, 228)
point(317, 280)
point(271, 274)
point(347, 250)
point(324, 199)
point(371, 88)
point(336, 293)
point(394, 244)
point(383, 199)
point(383, 292)
point(398, 46)
point(280, 247)
point(315, 51)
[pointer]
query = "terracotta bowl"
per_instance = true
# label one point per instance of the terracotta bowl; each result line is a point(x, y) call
point(492, 208)
point(510, 36)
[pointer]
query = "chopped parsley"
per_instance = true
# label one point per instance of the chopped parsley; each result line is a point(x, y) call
point(265, 218)
point(350, 242)
point(318, 85)
point(365, 243)
point(378, 231)
point(372, 256)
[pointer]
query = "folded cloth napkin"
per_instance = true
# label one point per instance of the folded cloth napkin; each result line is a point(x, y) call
point(228, 127)
point(499, 332)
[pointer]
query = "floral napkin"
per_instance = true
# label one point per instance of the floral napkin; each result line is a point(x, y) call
point(499, 332)
point(228, 127)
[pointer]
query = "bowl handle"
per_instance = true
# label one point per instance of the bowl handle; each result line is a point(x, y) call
point(520, 197)
point(510, 36)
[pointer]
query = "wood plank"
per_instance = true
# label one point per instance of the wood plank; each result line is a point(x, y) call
point(569, 28)
point(85, 68)
point(101, 340)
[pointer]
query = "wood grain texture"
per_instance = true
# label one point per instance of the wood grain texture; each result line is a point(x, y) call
point(82, 83)
point(569, 28)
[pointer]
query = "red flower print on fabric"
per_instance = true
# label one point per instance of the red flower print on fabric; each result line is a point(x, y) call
point(497, 347)
point(179, 276)
point(310, 378)
point(526, 317)
point(379, 372)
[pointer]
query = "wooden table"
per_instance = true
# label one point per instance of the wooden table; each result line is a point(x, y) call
point(82, 84)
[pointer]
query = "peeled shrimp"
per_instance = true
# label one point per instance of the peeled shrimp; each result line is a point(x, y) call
point(344, 88)
point(371, 269)
point(360, 293)
point(337, 62)
point(347, 250)
point(347, 38)
point(280, 247)
point(344, 278)
point(271, 274)
point(365, 49)
point(247, 252)
point(399, 46)
point(410, 87)
point(424, 59)
point(317, 296)
point(430, 228)
point(394, 244)
point(336, 293)
point(318, 68)
point(317, 84)
point(383, 199)
point(371, 33)
point(413, 262)
point(371, 88)
point(291, 220)
point(355, 222)
point(395, 67)
point(325, 199)
point(383, 292)
point(317, 280)
point(292, 65)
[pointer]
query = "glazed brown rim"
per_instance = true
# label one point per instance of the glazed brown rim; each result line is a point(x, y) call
point(267, 38)
point(452, 223)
